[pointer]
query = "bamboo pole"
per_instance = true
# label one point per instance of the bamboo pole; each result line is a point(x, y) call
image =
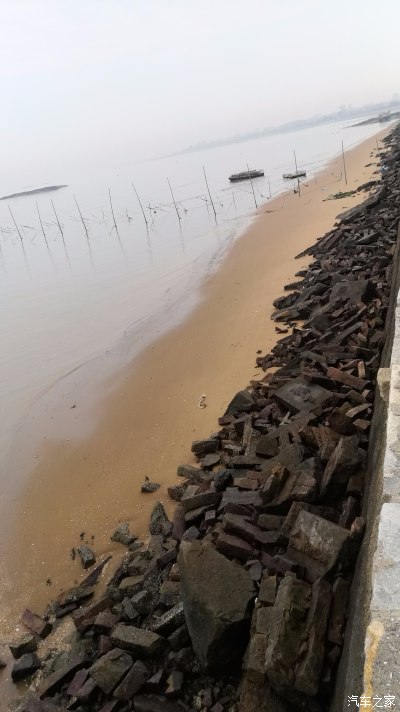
point(173, 198)
point(252, 187)
point(112, 209)
point(344, 164)
point(209, 193)
point(16, 227)
point(58, 222)
point(22, 242)
point(297, 173)
point(41, 224)
point(140, 203)
point(83, 222)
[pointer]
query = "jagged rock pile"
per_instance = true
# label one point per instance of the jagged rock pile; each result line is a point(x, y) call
point(254, 572)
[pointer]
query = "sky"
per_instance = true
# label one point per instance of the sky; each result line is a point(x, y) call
point(100, 82)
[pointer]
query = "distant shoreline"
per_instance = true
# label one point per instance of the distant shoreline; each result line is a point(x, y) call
point(300, 124)
point(46, 189)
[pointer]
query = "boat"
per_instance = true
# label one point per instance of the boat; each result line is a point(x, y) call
point(245, 175)
point(293, 176)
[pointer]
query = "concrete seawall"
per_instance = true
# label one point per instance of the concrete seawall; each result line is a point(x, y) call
point(369, 665)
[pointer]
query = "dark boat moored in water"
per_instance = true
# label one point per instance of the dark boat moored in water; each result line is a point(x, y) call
point(292, 176)
point(245, 175)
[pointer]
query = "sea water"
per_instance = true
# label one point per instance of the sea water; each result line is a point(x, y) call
point(120, 277)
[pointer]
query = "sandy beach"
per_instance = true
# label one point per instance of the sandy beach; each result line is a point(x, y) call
point(145, 418)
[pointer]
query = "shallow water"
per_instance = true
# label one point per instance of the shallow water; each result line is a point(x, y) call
point(67, 298)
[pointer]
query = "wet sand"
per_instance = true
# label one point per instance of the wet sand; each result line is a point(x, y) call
point(85, 475)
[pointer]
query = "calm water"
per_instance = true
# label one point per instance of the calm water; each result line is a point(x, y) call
point(65, 299)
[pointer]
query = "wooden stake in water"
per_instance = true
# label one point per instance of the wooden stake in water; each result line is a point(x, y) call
point(297, 173)
point(83, 222)
point(173, 198)
point(252, 187)
point(112, 209)
point(41, 224)
point(17, 229)
point(344, 164)
point(58, 222)
point(211, 200)
point(269, 186)
point(62, 235)
point(20, 237)
point(140, 203)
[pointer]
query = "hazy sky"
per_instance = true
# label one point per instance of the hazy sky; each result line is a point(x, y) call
point(105, 81)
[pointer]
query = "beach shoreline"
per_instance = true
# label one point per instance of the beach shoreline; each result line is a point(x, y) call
point(149, 415)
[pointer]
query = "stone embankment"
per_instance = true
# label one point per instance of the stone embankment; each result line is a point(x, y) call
point(240, 603)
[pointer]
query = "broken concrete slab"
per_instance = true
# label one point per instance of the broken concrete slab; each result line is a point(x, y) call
point(217, 623)
point(299, 395)
point(316, 544)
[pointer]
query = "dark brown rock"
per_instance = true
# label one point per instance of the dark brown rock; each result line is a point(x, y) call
point(233, 547)
point(233, 496)
point(242, 400)
point(217, 623)
point(267, 592)
point(159, 522)
point(86, 616)
point(316, 544)
point(153, 703)
point(178, 523)
point(87, 556)
point(25, 666)
point(267, 446)
point(174, 683)
point(169, 621)
point(298, 395)
point(341, 591)
point(122, 534)
point(105, 621)
point(26, 644)
point(271, 522)
point(287, 632)
point(308, 672)
point(343, 463)
point(132, 682)
point(77, 681)
point(36, 624)
point(51, 684)
point(176, 492)
point(346, 379)
point(222, 480)
point(141, 642)
point(203, 447)
point(204, 499)
point(108, 670)
point(210, 460)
